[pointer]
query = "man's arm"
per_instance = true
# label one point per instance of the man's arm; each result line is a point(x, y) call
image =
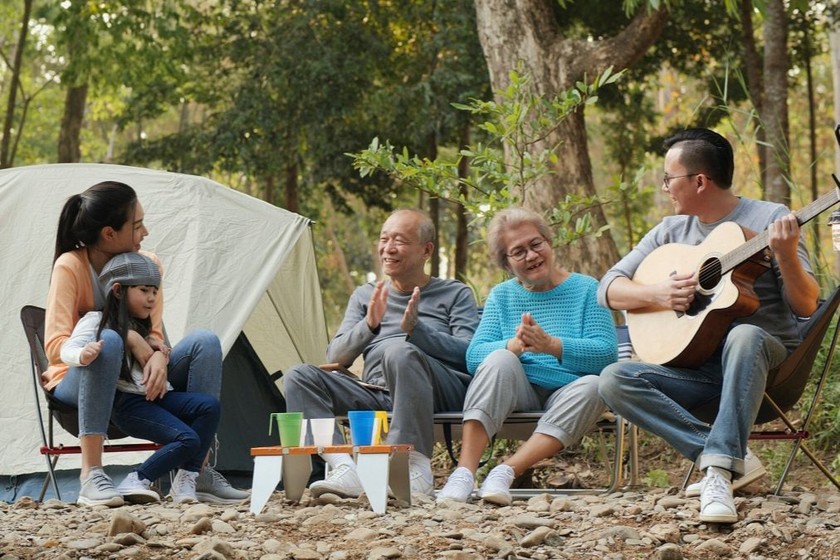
point(800, 286)
point(354, 334)
point(448, 346)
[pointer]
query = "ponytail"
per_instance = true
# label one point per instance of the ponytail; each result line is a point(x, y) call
point(65, 240)
point(109, 203)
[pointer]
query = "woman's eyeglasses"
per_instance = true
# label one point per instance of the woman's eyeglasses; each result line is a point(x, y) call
point(519, 254)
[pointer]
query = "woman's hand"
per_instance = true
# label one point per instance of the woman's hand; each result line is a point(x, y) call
point(90, 352)
point(139, 347)
point(534, 339)
point(158, 345)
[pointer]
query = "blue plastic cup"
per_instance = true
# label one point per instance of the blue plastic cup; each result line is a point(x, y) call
point(361, 426)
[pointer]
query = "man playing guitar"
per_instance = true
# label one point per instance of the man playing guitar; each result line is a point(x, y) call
point(657, 397)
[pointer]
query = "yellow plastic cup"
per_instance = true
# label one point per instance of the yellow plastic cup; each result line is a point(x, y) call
point(380, 426)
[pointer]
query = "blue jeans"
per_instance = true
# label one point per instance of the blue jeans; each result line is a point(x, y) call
point(183, 422)
point(91, 388)
point(195, 365)
point(658, 399)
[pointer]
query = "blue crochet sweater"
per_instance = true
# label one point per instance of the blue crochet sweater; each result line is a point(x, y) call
point(570, 312)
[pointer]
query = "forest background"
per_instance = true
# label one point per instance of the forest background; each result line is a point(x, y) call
point(342, 110)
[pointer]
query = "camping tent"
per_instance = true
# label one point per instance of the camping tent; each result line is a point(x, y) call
point(232, 263)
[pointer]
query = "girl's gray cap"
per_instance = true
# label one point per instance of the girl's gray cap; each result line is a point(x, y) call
point(129, 269)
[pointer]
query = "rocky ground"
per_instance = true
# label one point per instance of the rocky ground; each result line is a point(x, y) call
point(654, 523)
point(653, 520)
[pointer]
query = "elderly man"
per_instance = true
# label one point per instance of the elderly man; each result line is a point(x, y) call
point(413, 331)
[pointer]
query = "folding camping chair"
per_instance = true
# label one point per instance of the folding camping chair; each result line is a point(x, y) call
point(66, 416)
point(785, 385)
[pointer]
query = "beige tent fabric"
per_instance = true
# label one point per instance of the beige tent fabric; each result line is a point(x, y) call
point(231, 263)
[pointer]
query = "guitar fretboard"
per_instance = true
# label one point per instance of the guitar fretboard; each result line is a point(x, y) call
point(758, 243)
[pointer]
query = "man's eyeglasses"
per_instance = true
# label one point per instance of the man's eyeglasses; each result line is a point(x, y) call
point(666, 179)
point(519, 254)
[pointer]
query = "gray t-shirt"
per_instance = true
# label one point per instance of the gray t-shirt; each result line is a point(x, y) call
point(774, 314)
point(447, 319)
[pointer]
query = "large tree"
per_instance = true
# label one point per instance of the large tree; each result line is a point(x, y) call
point(533, 33)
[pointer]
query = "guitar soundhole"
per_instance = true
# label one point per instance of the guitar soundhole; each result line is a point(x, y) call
point(708, 278)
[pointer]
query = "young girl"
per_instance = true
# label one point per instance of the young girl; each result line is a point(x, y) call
point(184, 422)
point(103, 221)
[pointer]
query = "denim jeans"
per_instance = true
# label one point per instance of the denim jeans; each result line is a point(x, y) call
point(185, 423)
point(91, 388)
point(658, 399)
point(195, 365)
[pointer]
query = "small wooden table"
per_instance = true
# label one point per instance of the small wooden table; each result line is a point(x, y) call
point(378, 466)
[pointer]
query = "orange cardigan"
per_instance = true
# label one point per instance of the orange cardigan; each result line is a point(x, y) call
point(69, 298)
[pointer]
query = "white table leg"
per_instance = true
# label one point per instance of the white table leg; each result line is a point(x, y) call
point(373, 474)
point(267, 473)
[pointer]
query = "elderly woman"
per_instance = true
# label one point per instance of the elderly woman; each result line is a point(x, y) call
point(541, 343)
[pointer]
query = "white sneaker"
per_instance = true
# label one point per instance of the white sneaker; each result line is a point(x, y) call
point(496, 487)
point(183, 487)
point(753, 470)
point(137, 490)
point(716, 503)
point(342, 481)
point(459, 486)
point(421, 482)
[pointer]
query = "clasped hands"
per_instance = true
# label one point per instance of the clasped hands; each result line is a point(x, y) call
point(530, 337)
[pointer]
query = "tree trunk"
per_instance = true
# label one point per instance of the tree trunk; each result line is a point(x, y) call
point(338, 252)
point(755, 84)
point(775, 115)
point(834, 42)
point(434, 207)
point(292, 190)
point(14, 85)
point(526, 31)
point(812, 122)
point(462, 237)
point(268, 192)
point(69, 136)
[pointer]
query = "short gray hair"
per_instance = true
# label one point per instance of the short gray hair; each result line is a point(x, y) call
point(426, 230)
point(510, 218)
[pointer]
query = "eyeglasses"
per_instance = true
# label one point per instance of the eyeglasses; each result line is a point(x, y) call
point(666, 179)
point(519, 254)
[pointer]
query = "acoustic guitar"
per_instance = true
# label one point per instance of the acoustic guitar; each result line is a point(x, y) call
point(726, 264)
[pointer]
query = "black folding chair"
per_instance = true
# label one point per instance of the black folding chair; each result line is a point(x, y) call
point(785, 386)
point(66, 416)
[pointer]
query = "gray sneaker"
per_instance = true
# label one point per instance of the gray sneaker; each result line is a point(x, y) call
point(98, 490)
point(213, 488)
point(182, 490)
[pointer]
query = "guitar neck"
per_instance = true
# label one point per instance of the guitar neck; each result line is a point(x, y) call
point(761, 241)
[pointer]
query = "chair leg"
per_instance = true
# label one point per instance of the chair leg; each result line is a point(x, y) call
point(688, 476)
point(616, 473)
point(797, 445)
point(50, 477)
point(634, 455)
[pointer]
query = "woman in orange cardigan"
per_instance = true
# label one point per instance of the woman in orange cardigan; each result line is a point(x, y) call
point(95, 225)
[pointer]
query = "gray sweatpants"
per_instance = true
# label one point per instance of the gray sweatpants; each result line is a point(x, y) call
point(417, 387)
point(500, 387)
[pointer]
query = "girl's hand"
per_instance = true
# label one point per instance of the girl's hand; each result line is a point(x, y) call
point(90, 352)
point(154, 375)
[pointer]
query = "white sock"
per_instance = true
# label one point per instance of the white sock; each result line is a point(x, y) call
point(419, 463)
point(722, 472)
point(335, 460)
